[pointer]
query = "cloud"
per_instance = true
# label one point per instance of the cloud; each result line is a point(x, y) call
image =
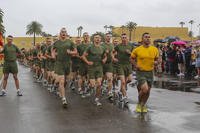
point(94, 14)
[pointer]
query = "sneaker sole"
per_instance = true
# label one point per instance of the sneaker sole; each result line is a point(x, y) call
point(65, 105)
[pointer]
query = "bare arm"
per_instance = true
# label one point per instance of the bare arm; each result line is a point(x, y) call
point(104, 58)
point(72, 52)
point(114, 53)
point(83, 57)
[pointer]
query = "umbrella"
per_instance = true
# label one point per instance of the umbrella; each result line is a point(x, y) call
point(160, 40)
point(179, 43)
point(198, 41)
point(170, 39)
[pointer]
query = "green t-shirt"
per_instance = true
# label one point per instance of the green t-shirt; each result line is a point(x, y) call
point(95, 54)
point(122, 56)
point(61, 49)
point(75, 60)
point(81, 49)
point(109, 48)
point(43, 49)
point(35, 52)
point(10, 52)
point(48, 52)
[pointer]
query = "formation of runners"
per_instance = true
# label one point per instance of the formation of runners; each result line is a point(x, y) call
point(90, 67)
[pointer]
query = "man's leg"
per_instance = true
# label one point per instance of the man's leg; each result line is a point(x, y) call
point(62, 89)
point(109, 77)
point(123, 85)
point(5, 80)
point(16, 81)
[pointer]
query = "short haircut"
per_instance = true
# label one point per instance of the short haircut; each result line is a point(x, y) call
point(123, 34)
point(108, 33)
point(49, 37)
point(63, 29)
point(96, 34)
point(146, 33)
point(10, 36)
point(85, 33)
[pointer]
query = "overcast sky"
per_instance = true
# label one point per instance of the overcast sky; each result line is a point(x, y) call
point(94, 14)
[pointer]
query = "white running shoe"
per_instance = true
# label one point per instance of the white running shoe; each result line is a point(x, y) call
point(196, 77)
point(97, 102)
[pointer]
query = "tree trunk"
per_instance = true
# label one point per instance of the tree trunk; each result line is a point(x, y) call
point(80, 33)
point(130, 34)
point(34, 39)
point(134, 35)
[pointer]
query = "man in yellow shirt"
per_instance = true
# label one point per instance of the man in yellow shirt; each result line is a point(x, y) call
point(146, 57)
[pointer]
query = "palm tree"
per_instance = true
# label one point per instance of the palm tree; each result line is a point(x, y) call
point(111, 29)
point(2, 28)
point(123, 28)
point(34, 28)
point(191, 22)
point(190, 34)
point(199, 28)
point(44, 34)
point(79, 29)
point(182, 23)
point(105, 27)
point(131, 26)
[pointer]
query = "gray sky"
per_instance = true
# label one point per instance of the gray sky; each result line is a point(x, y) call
point(94, 14)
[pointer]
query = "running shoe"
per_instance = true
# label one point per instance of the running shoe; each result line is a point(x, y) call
point(97, 102)
point(3, 93)
point(144, 109)
point(64, 103)
point(138, 108)
point(19, 93)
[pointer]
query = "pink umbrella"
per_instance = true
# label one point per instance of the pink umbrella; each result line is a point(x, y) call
point(198, 41)
point(179, 43)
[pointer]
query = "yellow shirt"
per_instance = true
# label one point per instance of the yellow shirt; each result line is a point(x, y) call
point(145, 57)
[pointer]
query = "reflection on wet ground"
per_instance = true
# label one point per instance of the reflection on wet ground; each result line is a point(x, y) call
point(169, 111)
point(178, 85)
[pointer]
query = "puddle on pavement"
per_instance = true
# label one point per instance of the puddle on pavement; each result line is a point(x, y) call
point(178, 85)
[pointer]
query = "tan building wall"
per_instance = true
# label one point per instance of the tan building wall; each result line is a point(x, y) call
point(156, 32)
point(26, 42)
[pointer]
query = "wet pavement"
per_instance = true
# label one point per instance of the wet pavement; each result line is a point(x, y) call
point(38, 111)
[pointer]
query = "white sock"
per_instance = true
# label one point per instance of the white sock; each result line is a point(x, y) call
point(63, 98)
point(79, 89)
point(96, 99)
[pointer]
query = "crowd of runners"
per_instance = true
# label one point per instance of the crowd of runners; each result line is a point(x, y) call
point(87, 67)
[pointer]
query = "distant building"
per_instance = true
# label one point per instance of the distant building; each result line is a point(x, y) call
point(156, 32)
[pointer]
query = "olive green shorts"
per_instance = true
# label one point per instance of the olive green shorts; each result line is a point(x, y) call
point(144, 76)
point(114, 68)
point(50, 65)
point(62, 68)
point(83, 69)
point(43, 64)
point(10, 67)
point(75, 67)
point(124, 69)
point(108, 67)
point(95, 72)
